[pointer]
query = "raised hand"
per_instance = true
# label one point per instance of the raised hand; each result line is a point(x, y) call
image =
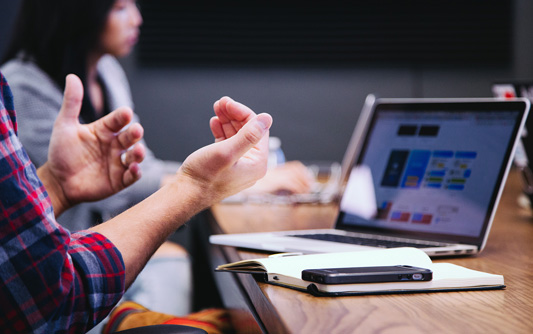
point(290, 178)
point(230, 117)
point(237, 159)
point(93, 161)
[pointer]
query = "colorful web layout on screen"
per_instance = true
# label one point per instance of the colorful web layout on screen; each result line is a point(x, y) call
point(434, 172)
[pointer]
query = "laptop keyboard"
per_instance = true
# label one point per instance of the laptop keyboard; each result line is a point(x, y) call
point(356, 240)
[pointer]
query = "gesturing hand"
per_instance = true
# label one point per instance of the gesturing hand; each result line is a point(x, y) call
point(236, 160)
point(290, 178)
point(84, 161)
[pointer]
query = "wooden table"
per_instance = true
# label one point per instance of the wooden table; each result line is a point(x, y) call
point(509, 252)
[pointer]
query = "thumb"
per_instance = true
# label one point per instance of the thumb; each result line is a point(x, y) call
point(72, 100)
point(249, 136)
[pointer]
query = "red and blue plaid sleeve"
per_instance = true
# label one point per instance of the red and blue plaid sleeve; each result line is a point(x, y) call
point(52, 281)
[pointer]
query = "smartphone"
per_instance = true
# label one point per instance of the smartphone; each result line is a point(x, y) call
point(367, 274)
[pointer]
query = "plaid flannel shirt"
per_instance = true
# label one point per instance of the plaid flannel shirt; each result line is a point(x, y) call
point(52, 281)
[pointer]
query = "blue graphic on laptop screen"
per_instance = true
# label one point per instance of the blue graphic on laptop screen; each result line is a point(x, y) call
point(431, 171)
point(437, 169)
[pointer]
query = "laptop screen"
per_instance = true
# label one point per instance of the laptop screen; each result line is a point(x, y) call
point(431, 170)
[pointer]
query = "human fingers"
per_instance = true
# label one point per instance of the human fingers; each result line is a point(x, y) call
point(227, 124)
point(219, 108)
point(228, 110)
point(130, 136)
point(291, 177)
point(134, 155)
point(72, 100)
point(216, 129)
point(297, 185)
point(300, 172)
point(302, 177)
point(131, 175)
point(250, 135)
point(232, 115)
point(115, 120)
point(301, 185)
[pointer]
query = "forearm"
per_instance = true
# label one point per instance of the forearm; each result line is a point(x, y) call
point(140, 230)
point(205, 177)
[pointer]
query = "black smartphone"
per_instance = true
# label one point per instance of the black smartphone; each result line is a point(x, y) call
point(367, 274)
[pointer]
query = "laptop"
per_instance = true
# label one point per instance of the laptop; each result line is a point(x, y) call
point(428, 173)
point(336, 174)
point(511, 89)
point(331, 190)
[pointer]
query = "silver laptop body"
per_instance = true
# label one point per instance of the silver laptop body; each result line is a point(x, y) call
point(425, 173)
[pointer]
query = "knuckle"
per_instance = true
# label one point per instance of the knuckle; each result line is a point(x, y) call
point(253, 136)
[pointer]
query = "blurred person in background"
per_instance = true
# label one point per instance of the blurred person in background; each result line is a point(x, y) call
point(53, 38)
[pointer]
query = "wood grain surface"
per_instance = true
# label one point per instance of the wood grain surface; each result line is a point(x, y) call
point(509, 252)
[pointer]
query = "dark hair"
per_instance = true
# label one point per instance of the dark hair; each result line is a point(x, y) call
point(58, 35)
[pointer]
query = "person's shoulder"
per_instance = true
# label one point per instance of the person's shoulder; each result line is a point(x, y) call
point(33, 90)
point(26, 75)
point(110, 66)
point(116, 82)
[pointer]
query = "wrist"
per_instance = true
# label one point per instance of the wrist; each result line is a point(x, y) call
point(57, 196)
point(190, 191)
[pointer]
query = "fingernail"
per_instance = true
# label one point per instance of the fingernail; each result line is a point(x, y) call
point(265, 120)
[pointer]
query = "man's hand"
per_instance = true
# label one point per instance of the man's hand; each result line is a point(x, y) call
point(236, 160)
point(93, 161)
point(290, 178)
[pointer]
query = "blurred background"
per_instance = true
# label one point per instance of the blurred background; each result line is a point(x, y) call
point(311, 65)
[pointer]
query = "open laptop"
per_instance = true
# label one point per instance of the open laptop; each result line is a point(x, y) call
point(523, 159)
point(332, 189)
point(428, 173)
point(337, 174)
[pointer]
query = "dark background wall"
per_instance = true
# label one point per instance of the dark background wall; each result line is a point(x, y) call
point(315, 106)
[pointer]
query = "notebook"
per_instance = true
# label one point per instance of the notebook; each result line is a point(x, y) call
point(428, 173)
